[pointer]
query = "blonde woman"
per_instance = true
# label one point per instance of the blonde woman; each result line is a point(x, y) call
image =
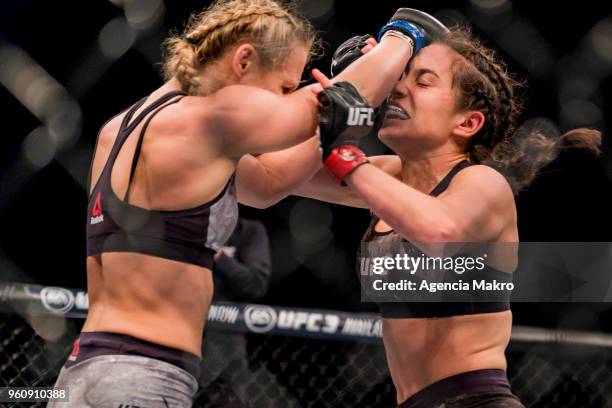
point(162, 195)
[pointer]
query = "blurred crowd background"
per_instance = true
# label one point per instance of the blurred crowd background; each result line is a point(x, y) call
point(68, 66)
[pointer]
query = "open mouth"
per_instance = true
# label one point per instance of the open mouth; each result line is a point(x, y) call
point(395, 112)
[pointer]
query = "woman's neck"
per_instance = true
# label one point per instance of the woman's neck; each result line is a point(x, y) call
point(425, 172)
point(214, 76)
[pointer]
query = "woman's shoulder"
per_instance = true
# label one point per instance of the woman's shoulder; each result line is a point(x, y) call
point(485, 179)
point(482, 172)
point(109, 130)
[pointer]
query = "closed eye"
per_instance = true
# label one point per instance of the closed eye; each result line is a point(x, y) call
point(426, 77)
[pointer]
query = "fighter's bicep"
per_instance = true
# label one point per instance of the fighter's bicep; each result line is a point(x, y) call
point(252, 120)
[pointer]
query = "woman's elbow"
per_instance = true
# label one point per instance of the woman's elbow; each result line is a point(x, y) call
point(448, 232)
point(259, 203)
point(261, 197)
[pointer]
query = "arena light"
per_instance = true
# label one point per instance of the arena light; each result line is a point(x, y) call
point(577, 86)
point(39, 147)
point(319, 10)
point(28, 81)
point(580, 112)
point(143, 14)
point(580, 75)
point(46, 99)
point(515, 34)
point(116, 38)
point(491, 5)
point(600, 37)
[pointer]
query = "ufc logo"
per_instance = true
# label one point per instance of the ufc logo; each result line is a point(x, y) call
point(360, 116)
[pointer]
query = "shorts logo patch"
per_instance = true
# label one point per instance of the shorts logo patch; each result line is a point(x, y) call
point(75, 350)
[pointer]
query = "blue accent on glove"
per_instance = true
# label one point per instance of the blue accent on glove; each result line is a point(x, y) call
point(406, 28)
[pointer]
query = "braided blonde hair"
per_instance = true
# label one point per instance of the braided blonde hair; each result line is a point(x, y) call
point(270, 27)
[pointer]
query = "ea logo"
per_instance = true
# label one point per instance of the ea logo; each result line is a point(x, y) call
point(57, 300)
point(259, 319)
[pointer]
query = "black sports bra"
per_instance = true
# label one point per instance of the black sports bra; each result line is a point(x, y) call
point(430, 309)
point(191, 236)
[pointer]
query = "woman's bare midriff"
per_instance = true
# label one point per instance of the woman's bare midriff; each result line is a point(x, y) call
point(423, 351)
point(150, 298)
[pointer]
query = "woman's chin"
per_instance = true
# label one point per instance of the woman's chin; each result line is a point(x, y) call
point(387, 133)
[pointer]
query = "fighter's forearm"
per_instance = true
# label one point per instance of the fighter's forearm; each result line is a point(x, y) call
point(376, 73)
point(268, 178)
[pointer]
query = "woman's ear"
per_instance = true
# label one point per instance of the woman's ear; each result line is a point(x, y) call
point(244, 59)
point(469, 123)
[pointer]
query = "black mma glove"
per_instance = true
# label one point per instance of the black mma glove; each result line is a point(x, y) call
point(348, 52)
point(344, 118)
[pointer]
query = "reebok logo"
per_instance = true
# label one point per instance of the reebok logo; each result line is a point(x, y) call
point(75, 350)
point(360, 116)
point(96, 212)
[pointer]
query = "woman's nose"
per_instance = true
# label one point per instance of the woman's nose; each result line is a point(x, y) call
point(398, 92)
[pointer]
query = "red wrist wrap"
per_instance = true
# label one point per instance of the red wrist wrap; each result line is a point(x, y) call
point(343, 160)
